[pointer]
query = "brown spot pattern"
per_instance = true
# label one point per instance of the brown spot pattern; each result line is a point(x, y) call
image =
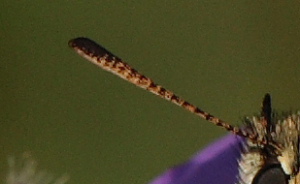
point(106, 60)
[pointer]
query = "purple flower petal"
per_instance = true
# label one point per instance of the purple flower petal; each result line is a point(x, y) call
point(218, 163)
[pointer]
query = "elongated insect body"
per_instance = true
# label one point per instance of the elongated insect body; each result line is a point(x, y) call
point(270, 152)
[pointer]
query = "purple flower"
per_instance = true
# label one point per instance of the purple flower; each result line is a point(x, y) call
point(218, 163)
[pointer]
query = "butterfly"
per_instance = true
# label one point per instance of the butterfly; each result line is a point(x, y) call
point(265, 150)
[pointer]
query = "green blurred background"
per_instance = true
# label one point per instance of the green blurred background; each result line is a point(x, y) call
point(75, 118)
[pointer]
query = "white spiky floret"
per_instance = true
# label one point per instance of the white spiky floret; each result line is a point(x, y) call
point(26, 172)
